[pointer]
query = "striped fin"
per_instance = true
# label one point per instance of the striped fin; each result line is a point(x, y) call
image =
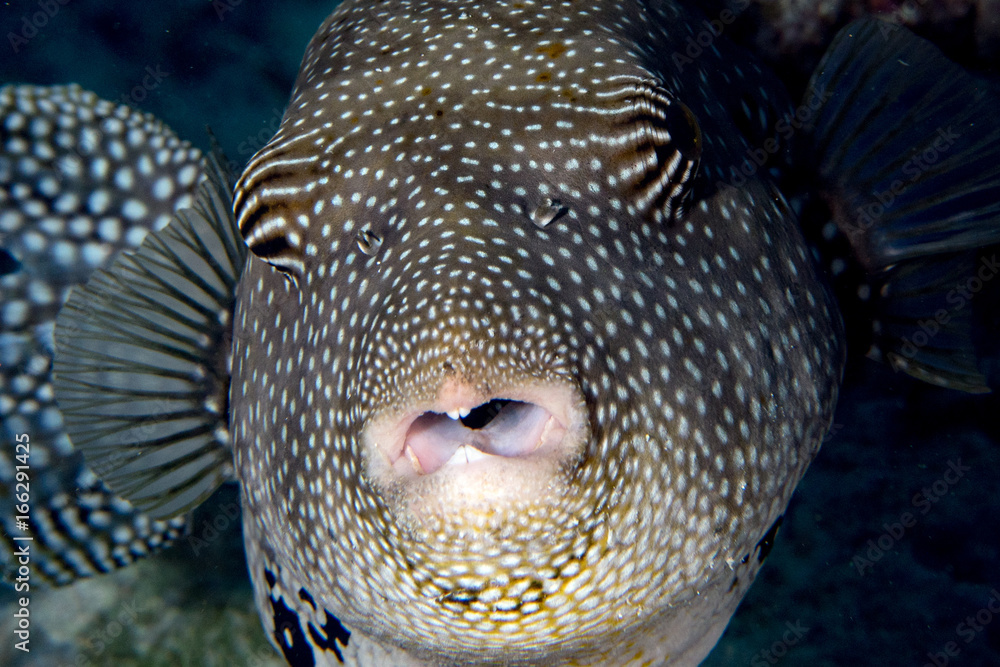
point(142, 359)
point(908, 154)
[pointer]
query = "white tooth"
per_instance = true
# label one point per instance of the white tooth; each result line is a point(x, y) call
point(472, 454)
point(549, 425)
point(465, 455)
point(455, 414)
point(464, 412)
point(414, 461)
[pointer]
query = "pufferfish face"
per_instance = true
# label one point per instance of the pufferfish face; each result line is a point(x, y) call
point(506, 377)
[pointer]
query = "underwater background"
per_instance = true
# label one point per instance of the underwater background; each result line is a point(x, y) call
point(846, 583)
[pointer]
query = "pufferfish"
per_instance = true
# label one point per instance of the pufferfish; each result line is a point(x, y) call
point(512, 341)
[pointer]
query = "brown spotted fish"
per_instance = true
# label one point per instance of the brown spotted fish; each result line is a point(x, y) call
point(527, 357)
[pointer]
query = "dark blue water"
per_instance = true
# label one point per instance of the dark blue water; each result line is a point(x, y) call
point(889, 554)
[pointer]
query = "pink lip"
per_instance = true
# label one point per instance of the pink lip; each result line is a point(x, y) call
point(433, 440)
point(461, 423)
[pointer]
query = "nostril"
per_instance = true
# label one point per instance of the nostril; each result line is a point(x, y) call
point(482, 415)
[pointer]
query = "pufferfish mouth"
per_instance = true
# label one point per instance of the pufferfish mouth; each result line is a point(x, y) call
point(498, 428)
point(461, 429)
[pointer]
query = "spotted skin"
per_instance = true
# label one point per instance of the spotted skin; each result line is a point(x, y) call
point(504, 194)
point(81, 179)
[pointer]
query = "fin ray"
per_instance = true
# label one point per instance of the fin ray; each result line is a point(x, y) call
point(910, 162)
point(141, 366)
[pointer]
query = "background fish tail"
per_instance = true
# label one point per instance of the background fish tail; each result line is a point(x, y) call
point(908, 153)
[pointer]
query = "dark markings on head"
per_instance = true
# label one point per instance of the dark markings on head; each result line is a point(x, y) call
point(333, 633)
point(288, 631)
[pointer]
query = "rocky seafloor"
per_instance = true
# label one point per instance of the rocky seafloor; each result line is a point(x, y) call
point(843, 586)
